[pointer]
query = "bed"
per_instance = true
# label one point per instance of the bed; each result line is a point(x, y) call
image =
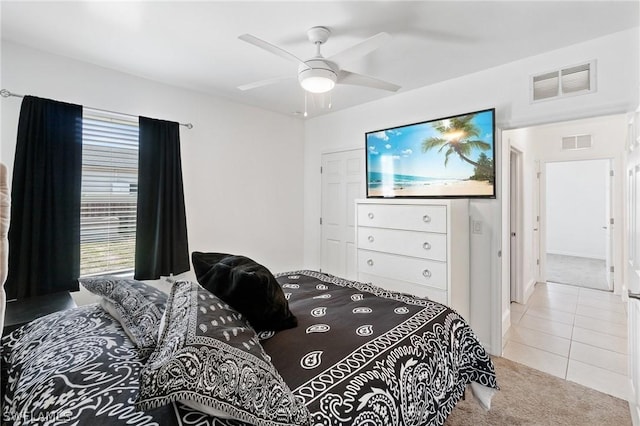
point(353, 354)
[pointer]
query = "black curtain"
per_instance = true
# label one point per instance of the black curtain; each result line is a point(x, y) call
point(44, 232)
point(161, 225)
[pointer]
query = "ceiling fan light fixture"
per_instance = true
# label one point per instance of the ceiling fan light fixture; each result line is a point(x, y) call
point(317, 80)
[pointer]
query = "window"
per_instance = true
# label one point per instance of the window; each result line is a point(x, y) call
point(579, 79)
point(109, 193)
point(576, 79)
point(545, 86)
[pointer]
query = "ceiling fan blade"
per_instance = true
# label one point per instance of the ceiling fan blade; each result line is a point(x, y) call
point(265, 45)
point(360, 49)
point(348, 77)
point(262, 83)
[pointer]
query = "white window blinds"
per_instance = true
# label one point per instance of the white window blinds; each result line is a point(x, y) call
point(576, 79)
point(109, 193)
point(545, 86)
point(579, 79)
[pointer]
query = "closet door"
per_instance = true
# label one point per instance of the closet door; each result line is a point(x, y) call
point(342, 183)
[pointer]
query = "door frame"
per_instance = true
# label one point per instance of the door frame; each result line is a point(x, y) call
point(516, 224)
point(610, 227)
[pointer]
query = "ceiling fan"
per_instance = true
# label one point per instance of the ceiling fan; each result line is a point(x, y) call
point(319, 74)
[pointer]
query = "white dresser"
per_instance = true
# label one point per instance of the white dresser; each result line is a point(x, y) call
point(420, 247)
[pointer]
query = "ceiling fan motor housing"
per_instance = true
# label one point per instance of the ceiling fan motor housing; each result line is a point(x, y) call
point(318, 34)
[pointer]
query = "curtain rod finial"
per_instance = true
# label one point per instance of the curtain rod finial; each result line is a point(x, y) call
point(7, 94)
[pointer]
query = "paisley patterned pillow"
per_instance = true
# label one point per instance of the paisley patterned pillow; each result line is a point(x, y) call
point(136, 305)
point(209, 358)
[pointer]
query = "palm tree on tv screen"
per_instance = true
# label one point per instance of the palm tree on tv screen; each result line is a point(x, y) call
point(458, 135)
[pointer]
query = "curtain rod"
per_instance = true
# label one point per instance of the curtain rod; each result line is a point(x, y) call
point(5, 94)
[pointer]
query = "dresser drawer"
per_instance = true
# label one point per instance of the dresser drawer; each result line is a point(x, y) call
point(426, 245)
point(428, 218)
point(419, 271)
point(420, 290)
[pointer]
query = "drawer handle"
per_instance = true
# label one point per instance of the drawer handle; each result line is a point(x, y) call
point(426, 218)
point(370, 238)
point(370, 215)
point(370, 262)
point(426, 273)
point(426, 246)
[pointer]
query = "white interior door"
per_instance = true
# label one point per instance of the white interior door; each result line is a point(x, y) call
point(342, 183)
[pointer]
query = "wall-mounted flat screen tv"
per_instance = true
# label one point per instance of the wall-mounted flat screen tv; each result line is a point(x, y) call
point(450, 157)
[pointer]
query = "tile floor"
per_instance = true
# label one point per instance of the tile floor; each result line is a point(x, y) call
point(574, 333)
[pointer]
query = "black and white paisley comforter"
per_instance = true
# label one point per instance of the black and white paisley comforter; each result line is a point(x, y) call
point(73, 367)
point(360, 355)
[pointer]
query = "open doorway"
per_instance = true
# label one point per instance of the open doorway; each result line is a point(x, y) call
point(578, 225)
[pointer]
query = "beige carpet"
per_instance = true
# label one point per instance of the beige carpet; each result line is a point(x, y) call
point(580, 271)
point(531, 397)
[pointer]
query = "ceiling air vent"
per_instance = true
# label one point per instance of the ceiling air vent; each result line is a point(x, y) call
point(574, 80)
point(576, 142)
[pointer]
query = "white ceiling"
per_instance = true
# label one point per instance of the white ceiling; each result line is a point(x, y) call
point(195, 45)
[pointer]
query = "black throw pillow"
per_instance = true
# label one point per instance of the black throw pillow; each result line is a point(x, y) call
point(247, 286)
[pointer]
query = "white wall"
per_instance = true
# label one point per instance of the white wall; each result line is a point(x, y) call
point(576, 207)
point(505, 88)
point(242, 165)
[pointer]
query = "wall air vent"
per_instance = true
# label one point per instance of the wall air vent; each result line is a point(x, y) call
point(573, 80)
point(576, 142)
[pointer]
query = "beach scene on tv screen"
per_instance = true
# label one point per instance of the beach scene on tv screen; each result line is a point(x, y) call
point(441, 158)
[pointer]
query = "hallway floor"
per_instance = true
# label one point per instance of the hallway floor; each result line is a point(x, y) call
point(575, 333)
point(579, 271)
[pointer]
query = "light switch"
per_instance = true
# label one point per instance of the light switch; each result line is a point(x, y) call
point(476, 226)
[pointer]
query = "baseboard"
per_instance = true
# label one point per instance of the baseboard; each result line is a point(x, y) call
point(491, 349)
point(506, 324)
point(633, 384)
point(634, 409)
point(573, 254)
point(528, 290)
